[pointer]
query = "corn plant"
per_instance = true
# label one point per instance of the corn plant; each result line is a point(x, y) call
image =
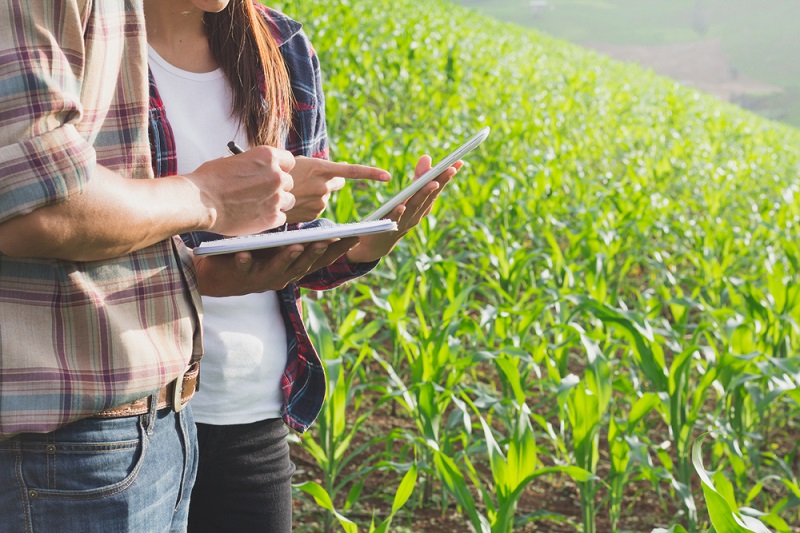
point(586, 402)
point(514, 464)
point(517, 466)
point(622, 442)
point(609, 202)
point(330, 443)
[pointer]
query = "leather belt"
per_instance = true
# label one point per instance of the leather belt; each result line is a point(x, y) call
point(168, 396)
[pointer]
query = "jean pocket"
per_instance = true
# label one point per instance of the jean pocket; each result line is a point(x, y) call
point(88, 459)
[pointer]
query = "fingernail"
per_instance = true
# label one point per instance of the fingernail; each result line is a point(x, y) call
point(319, 251)
point(295, 255)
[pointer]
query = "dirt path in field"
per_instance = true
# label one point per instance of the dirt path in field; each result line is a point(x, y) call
point(702, 65)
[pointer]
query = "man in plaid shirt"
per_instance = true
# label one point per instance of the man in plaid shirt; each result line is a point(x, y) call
point(99, 315)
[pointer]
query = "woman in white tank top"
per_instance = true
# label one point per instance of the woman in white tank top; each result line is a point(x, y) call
point(259, 373)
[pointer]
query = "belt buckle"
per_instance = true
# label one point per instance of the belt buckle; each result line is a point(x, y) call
point(177, 392)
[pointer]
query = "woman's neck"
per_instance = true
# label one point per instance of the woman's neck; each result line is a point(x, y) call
point(175, 30)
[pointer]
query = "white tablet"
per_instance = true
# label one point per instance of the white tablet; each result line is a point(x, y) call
point(297, 236)
point(420, 182)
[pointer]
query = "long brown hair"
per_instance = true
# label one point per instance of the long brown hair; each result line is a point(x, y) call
point(247, 53)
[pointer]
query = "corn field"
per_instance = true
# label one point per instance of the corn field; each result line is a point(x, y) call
point(606, 297)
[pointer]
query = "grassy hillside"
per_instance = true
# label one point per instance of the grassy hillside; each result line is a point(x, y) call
point(614, 272)
point(758, 37)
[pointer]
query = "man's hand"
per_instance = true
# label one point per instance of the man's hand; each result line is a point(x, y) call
point(114, 216)
point(316, 179)
point(246, 193)
point(265, 270)
point(408, 215)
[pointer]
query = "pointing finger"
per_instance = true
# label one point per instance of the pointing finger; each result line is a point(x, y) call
point(360, 172)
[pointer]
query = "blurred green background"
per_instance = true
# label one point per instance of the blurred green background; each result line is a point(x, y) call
point(742, 51)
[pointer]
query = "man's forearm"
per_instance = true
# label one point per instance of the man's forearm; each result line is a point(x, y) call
point(112, 217)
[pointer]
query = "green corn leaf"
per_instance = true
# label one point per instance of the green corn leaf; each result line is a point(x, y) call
point(620, 451)
point(775, 521)
point(312, 447)
point(793, 487)
point(677, 528)
point(647, 353)
point(322, 498)
point(400, 498)
point(430, 413)
point(510, 369)
point(497, 461)
point(353, 494)
point(725, 488)
point(643, 405)
point(318, 329)
point(452, 478)
point(724, 516)
point(405, 489)
point(522, 450)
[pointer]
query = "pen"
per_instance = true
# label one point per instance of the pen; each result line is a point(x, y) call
point(236, 149)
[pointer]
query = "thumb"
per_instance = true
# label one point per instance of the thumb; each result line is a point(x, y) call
point(423, 165)
point(243, 261)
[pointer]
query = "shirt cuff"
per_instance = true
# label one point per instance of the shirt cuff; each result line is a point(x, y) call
point(44, 170)
point(359, 269)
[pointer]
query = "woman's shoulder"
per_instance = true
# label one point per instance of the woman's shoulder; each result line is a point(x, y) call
point(282, 26)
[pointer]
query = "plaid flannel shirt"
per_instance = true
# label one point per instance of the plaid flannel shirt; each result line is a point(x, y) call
point(303, 381)
point(80, 337)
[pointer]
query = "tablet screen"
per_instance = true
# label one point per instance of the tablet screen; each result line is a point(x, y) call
point(420, 182)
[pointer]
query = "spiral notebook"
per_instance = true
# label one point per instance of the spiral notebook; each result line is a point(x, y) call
point(297, 236)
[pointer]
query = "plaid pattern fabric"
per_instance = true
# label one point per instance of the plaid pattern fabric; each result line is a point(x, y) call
point(303, 381)
point(80, 337)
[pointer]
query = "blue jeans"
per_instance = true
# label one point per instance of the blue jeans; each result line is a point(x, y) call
point(131, 474)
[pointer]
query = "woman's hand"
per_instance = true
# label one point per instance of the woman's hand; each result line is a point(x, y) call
point(408, 215)
point(265, 270)
point(315, 180)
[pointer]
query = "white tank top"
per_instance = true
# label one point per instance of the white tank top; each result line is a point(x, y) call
point(244, 337)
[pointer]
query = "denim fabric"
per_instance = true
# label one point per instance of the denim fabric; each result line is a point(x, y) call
point(244, 481)
point(129, 474)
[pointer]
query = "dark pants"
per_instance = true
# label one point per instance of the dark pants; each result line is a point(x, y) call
point(244, 479)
